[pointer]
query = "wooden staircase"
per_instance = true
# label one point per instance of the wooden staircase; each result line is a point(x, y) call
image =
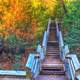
point(51, 61)
point(52, 66)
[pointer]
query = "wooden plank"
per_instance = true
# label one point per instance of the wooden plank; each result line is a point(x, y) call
point(30, 61)
point(70, 71)
point(48, 29)
point(61, 39)
point(36, 68)
point(13, 72)
point(44, 43)
point(75, 60)
point(57, 29)
point(51, 77)
point(66, 49)
point(41, 52)
point(12, 78)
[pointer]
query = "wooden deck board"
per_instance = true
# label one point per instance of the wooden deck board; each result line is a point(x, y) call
point(51, 77)
point(52, 60)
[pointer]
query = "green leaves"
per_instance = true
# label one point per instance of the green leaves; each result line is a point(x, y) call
point(71, 23)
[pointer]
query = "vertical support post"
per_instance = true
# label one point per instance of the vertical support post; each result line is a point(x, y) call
point(57, 29)
point(61, 44)
point(49, 23)
point(70, 72)
point(44, 43)
point(61, 39)
point(65, 51)
point(41, 52)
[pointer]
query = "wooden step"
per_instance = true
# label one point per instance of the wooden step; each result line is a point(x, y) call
point(52, 36)
point(52, 66)
point(53, 42)
point(52, 72)
point(52, 52)
point(52, 29)
point(52, 48)
point(52, 62)
point(52, 77)
point(55, 55)
point(55, 45)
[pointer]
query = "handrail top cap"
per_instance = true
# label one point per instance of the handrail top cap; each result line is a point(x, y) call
point(75, 60)
point(70, 55)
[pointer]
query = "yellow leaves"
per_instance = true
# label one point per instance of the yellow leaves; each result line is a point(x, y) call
point(50, 4)
point(6, 1)
point(36, 3)
point(0, 1)
point(8, 16)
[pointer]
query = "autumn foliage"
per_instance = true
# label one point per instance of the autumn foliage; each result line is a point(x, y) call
point(24, 17)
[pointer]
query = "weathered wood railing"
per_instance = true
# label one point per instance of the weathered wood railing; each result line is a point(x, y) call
point(48, 27)
point(41, 51)
point(46, 35)
point(71, 61)
point(32, 68)
point(33, 65)
point(73, 66)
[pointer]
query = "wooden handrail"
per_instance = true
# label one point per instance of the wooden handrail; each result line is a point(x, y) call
point(44, 43)
point(64, 53)
point(12, 72)
point(48, 28)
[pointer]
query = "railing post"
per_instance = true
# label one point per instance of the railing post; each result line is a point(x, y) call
point(61, 44)
point(65, 51)
point(71, 72)
point(41, 52)
point(33, 65)
point(61, 39)
point(57, 29)
point(74, 65)
point(71, 61)
point(44, 43)
point(49, 23)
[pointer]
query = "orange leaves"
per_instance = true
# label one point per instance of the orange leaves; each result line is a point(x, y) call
point(23, 13)
point(10, 16)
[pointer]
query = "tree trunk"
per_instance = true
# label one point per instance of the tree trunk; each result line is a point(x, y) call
point(64, 7)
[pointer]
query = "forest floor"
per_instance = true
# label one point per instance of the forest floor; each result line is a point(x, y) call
point(17, 63)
